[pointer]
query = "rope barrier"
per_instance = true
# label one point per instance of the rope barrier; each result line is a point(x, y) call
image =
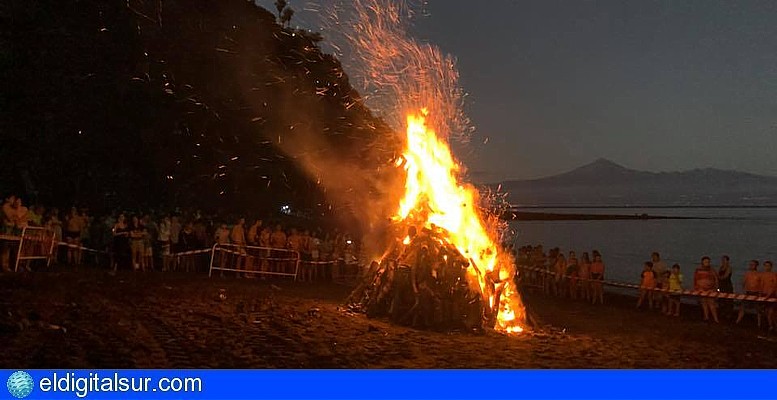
point(190, 252)
point(697, 293)
point(82, 248)
point(318, 262)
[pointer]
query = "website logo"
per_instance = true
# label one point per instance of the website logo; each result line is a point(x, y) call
point(20, 384)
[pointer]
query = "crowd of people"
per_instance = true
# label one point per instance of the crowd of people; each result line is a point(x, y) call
point(564, 276)
point(146, 241)
point(661, 287)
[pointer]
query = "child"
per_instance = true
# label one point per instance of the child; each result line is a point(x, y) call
point(675, 286)
point(648, 283)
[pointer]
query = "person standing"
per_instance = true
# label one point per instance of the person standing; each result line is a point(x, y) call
point(584, 274)
point(725, 284)
point(769, 290)
point(8, 222)
point(675, 288)
point(137, 234)
point(175, 233)
point(705, 280)
point(647, 284)
point(163, 242)
point(74, 224)
point(659, 269)
point(597, 278)
point(253, 233)
point(121, 248)
point(752, 286)
point(238, 237)
point(222, 240)
point(559, 268)
point(187, 241)
point(571, 274)
point(264, 242)
point(278, 242)
point(724, 275)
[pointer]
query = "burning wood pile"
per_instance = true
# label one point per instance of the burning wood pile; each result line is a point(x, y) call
point(422, 282)
point(448, 272)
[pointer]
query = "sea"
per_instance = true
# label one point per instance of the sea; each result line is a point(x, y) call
point(741, 233)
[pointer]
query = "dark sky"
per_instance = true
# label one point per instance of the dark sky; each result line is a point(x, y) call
point(653, 85)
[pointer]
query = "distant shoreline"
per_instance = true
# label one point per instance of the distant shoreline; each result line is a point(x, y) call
point(541, 216)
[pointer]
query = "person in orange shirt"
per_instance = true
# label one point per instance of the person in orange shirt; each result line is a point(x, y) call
point(647, 284)
point(769, 289)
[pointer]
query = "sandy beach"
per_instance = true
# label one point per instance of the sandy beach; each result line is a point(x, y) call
point(93, 319)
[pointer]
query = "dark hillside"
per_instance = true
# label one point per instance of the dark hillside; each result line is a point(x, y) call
point(196, 102)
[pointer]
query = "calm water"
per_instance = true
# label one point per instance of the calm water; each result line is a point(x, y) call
point(741, 233)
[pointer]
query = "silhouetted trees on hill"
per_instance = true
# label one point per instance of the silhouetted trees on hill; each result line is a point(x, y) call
point(178, 102)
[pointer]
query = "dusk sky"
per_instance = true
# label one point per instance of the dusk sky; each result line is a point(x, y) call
point(653, 85)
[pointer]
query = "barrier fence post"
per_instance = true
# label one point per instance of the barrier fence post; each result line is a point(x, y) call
point(52, 248)
point(212, 256)
point(19, 251)
point(296, 267)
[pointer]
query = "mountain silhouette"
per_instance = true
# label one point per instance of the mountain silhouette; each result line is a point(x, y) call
point(606, 183)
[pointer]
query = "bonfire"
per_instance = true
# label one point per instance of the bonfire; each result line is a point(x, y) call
point(443, 267)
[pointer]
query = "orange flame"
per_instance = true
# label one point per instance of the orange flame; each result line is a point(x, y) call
point(434, 196)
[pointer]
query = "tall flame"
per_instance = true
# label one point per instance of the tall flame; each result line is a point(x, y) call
point(435, 196)
point(414, 86)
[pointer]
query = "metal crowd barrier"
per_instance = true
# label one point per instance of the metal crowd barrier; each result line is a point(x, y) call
point(316, 269)
point(254, 260)
point(35, 243)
